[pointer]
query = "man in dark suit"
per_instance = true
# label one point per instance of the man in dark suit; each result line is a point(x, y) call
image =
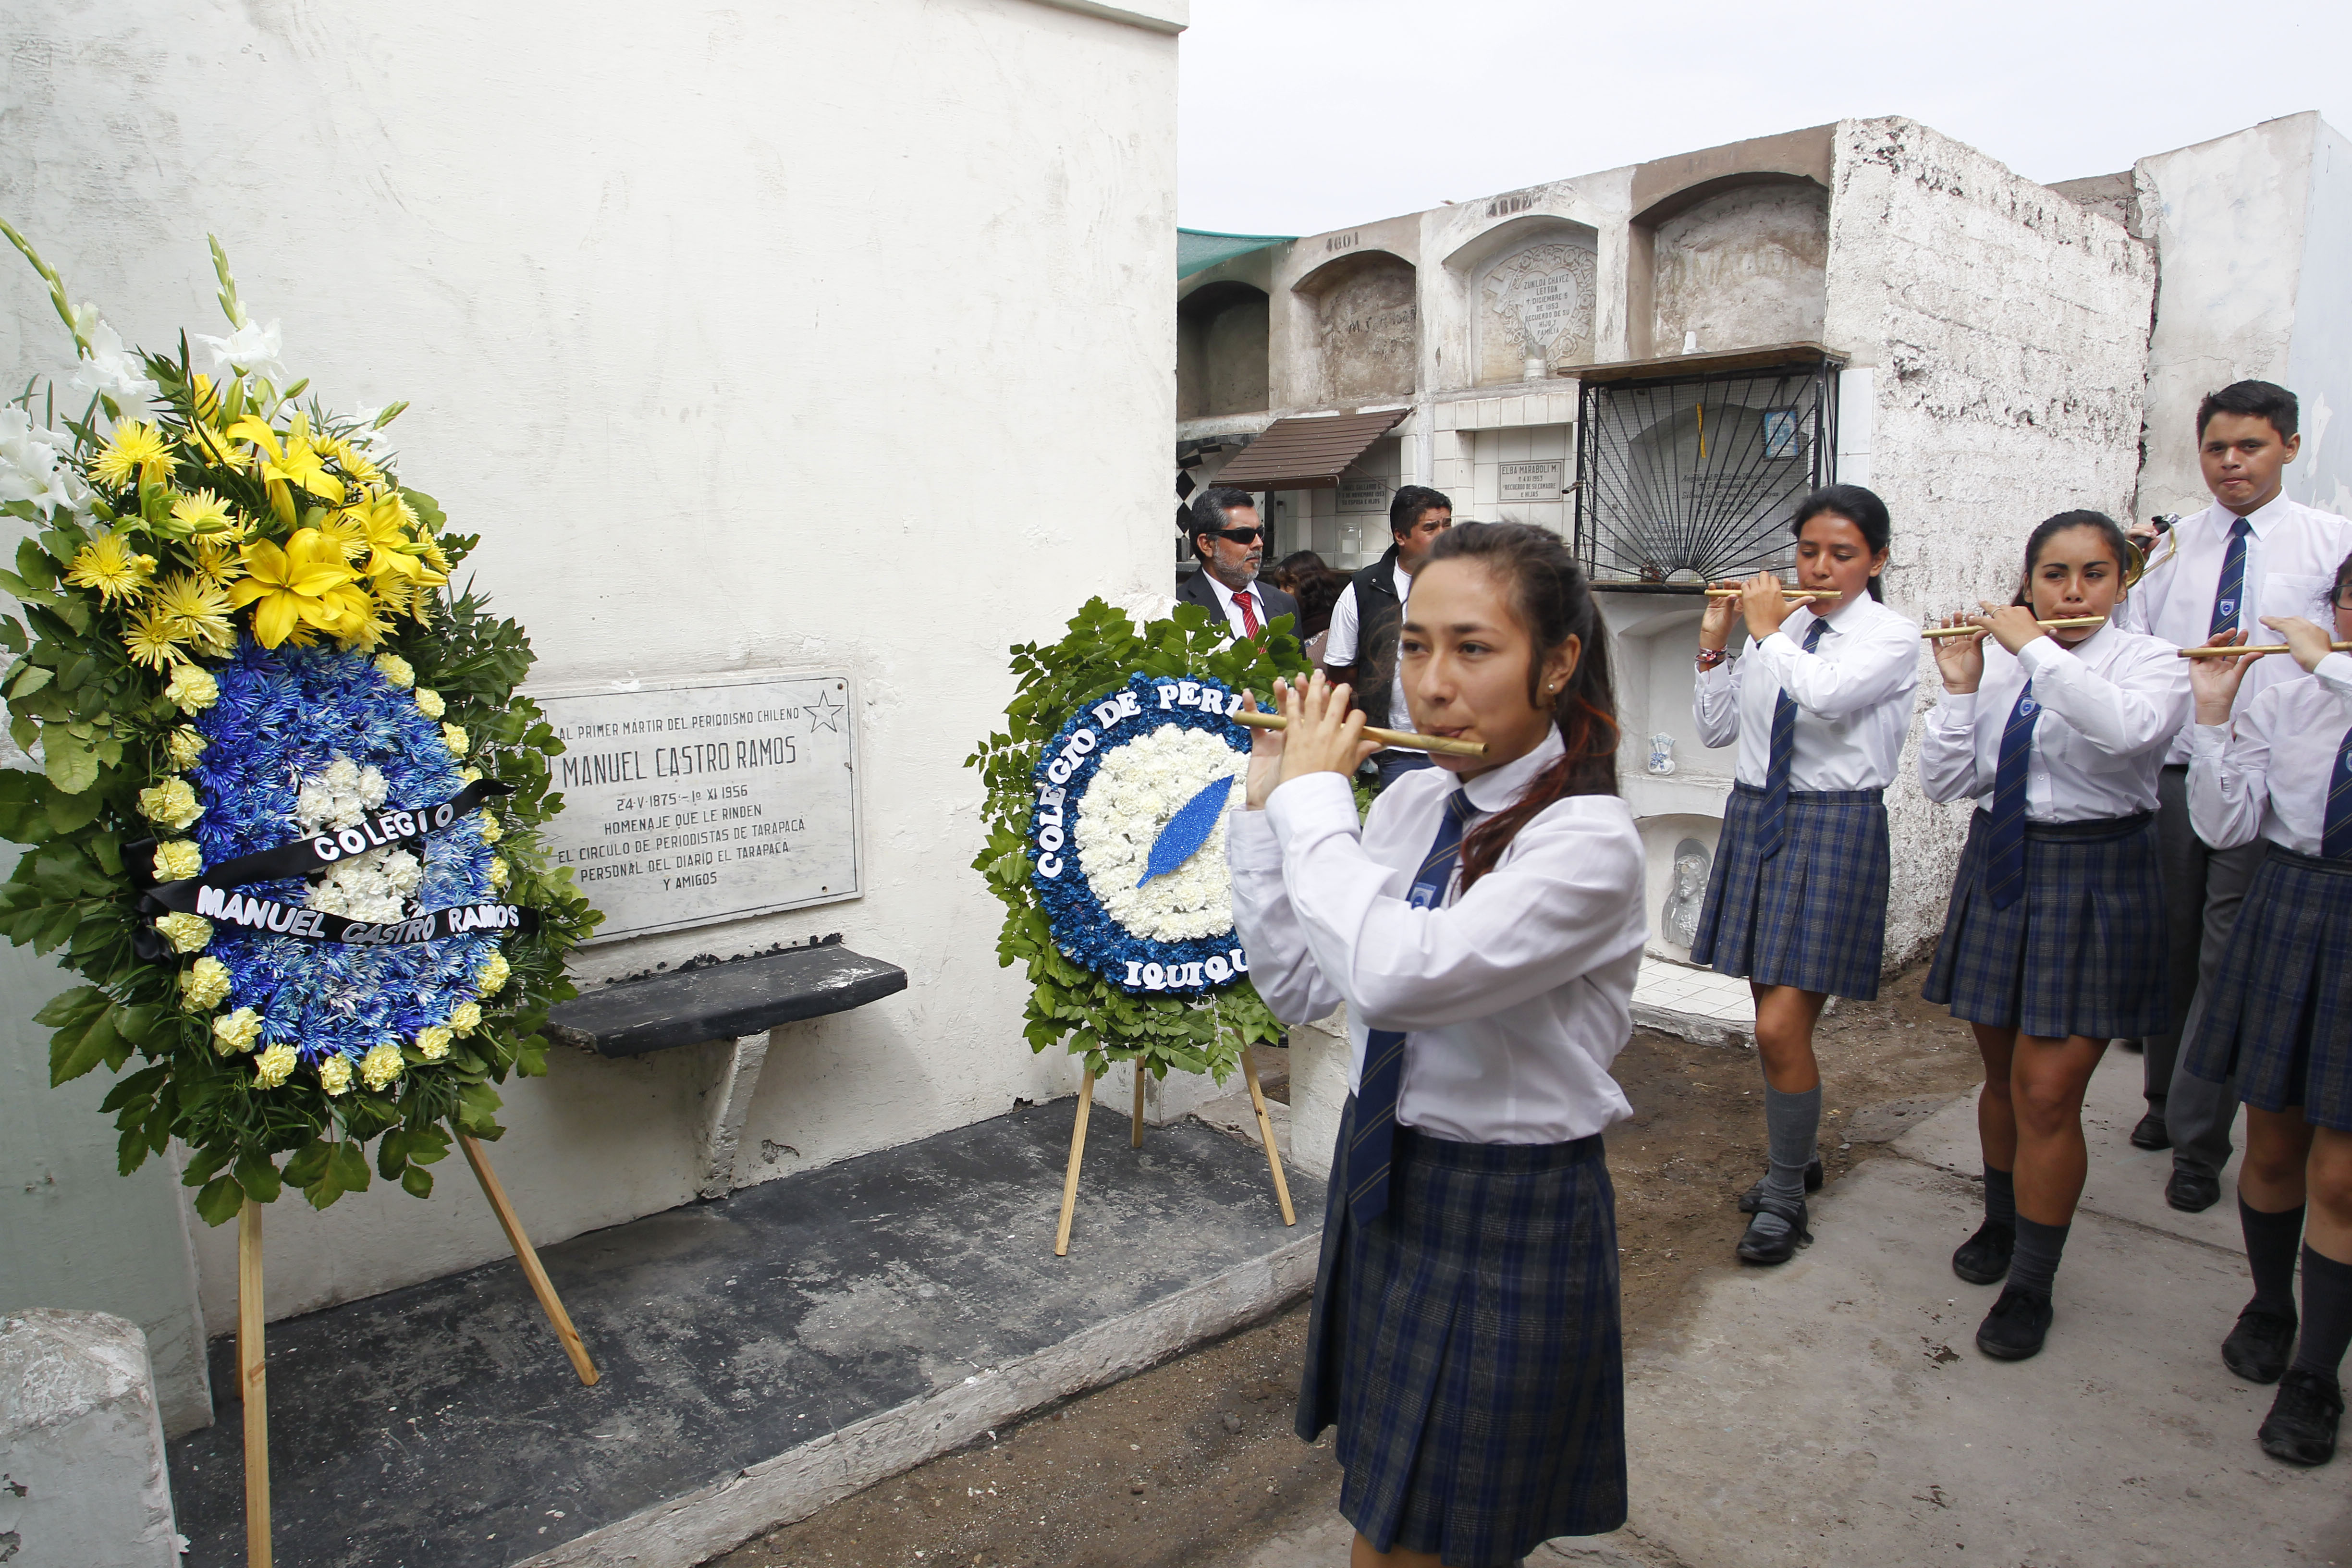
point(1225, 534)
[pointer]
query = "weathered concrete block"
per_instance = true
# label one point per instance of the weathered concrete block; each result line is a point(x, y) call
point(1318, 1090)
point(82, 1483)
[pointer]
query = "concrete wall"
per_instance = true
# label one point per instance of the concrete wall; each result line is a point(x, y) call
point(2005, 327)
point(2319, 352)
point(726, 378)
point(1742, 268)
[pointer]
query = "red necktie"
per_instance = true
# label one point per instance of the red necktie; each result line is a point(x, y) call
point(1249, 615)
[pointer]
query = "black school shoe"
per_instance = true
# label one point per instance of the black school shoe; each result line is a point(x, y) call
point(2301, 1426)
point(1983, 1258)
point(2015, 1328)
point(1756, 1247)
point(2261, 1344)
point(1751, 1200)
point(2192, 1192)
point(2151, 1133)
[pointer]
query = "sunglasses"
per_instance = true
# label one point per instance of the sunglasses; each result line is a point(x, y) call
point(1238, 535)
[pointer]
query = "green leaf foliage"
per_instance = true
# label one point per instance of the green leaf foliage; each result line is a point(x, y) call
point(1069, 1004)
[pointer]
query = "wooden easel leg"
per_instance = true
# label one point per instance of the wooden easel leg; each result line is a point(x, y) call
point(1077, 1153)
point(1135, 1129)
point(540, 1286)
point(253, 1384)
point(1266, 1136)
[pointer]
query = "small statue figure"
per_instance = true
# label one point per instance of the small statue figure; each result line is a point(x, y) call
point(1679, 919)
point(1661, 754)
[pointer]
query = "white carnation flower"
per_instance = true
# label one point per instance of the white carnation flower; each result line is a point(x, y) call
point(1137, 788)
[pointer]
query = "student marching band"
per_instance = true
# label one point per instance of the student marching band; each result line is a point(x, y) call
point(2160, 851)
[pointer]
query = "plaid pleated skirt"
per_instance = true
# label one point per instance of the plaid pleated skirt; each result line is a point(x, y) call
point(2280, 1017)
point(1467, 1344)
point(2081, 953)
point(1814, 915)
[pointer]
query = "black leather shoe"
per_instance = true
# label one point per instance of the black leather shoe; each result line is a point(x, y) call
point(2192, 1192)
point(2150, 1133)
point(1754, 1195)
point(1758, 1247)
point(2015, 1328)
point(2301, 1426)
point(2261, 1344)
point(1983, 1258)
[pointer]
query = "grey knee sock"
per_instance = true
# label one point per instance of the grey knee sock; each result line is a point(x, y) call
point(1793, 1131)
point(2034, 1266)
point(2000, 1196)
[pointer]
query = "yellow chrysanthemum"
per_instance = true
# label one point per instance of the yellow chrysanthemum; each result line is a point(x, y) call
point(348, 533)
point(397, 669)
point(335, 1074)
point(200, 607)
point(464, 1017)
point(171, 803)
point(109, 568)
point(184, 745)
point(237, 1031)
point(430, 701)
point(218, 557)
point(136, 451)
point(432, 1044)
point(178, 859)
point(154, 639)
point(274, 1066)
point(381, 1067)
point(204, 985)
point(454, 737)
point(499, 872)
point(193, 689)
point(471, 775)
point(295, 587)
point(491, 831)
point(492, 977)
point(186, 934)
point(202, 512)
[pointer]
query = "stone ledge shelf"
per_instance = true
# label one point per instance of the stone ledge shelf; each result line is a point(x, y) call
point(733, 1003)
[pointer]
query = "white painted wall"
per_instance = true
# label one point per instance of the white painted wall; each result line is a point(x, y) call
point(738, 333)
point(2319, 351)
point(2005, 327)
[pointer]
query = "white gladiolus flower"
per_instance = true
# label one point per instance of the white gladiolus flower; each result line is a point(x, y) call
point(1137, 788)
point(113, 369)
point(29, 469)
point(251, 350)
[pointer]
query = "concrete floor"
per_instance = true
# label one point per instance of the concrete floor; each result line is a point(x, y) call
point(762, 1355)
point(1835, 1413)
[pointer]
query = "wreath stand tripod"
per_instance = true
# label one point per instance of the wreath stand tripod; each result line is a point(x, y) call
point(252, 1384)
point(1134, 1140)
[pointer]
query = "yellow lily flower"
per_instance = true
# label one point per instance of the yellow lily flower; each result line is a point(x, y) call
point(295, 587)
point(288, 465)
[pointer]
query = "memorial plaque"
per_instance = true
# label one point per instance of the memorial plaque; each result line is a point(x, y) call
point(687, 802)
point(1532, 481)
point(1358, 494)
point(1538, 302)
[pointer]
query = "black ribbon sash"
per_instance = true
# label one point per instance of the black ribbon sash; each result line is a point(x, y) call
point(241, 911)
point(305, 856)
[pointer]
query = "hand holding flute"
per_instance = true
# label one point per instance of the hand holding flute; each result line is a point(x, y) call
point(2304, 640)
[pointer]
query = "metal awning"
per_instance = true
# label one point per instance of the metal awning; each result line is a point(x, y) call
point(1198, 249)
point(1307, 453)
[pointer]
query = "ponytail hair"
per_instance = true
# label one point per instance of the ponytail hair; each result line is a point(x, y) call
point(1859, 507)
point(2127, 557)
point(1550, 599)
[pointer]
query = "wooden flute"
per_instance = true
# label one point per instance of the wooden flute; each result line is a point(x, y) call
point(1793, 596)
point(1398, 738)
point(2254, 652)
point(2051, 626)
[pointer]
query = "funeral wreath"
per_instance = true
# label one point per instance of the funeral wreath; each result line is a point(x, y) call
point(1106, 797)
point(284, 821)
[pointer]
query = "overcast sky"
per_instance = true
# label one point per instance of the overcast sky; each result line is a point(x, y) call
point(1298, 116)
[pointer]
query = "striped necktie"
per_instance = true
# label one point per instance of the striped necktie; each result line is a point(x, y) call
point(2005, 873)
point(2234, 581)
point(2336, 836)
point(1784, 753)
point(1376, 1100)
point(1249, 612)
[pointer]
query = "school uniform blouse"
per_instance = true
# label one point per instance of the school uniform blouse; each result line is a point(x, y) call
point(2292, 553)
point(1852, 695)
point(2110, 708)
point(2270, 773)
point(1514, 997)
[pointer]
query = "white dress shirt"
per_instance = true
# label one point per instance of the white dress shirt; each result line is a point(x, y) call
point(1341, 646)
point(2109, 709)
point(2269, 771)
point(1225, 597)
point(1515, 997)
point(2290, 560)
point(1852, 695)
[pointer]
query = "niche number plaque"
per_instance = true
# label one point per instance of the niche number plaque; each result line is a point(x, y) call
point(689, 802)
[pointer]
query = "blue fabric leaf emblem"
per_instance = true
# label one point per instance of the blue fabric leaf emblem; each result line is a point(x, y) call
point(1187, 830)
